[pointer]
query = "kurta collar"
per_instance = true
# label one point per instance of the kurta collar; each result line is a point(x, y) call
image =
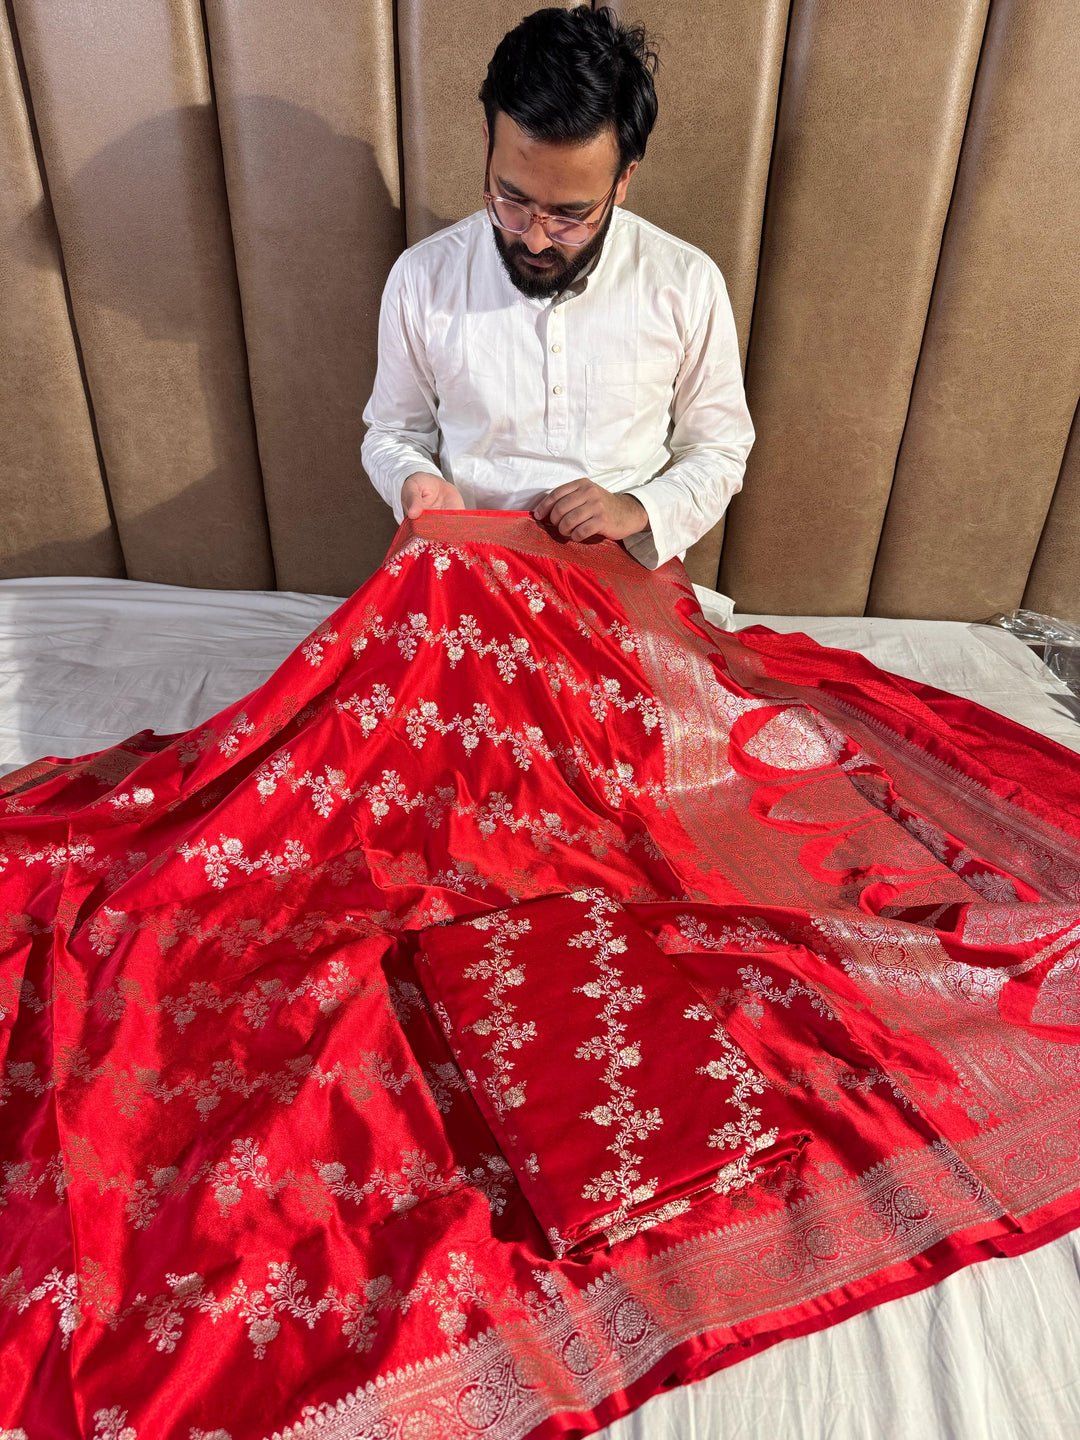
point(581, 282)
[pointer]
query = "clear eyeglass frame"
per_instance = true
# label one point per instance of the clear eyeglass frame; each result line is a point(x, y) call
point(516, 219)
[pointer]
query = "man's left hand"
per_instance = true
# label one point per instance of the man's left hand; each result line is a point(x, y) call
point(582, 509)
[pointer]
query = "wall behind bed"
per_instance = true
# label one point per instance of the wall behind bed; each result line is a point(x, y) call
point(200, 203)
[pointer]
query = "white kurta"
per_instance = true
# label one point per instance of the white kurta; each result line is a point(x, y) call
point(632, 380)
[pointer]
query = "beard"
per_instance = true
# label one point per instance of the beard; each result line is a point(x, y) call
point(543, 284)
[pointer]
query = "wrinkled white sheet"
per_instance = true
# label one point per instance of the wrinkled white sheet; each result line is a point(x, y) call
point(992, 1353)
point(84, 663)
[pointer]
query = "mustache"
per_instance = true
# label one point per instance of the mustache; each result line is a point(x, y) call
point(518, 248)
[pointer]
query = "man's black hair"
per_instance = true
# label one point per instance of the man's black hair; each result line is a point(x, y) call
point(565, 76)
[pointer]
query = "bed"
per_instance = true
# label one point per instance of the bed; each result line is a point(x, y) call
point(989, 1354)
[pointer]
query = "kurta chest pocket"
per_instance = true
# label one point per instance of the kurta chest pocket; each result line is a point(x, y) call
point(623, 396)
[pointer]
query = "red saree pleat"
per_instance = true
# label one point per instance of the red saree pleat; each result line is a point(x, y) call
point(247, 1190)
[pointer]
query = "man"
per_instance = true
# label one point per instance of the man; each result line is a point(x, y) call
point(554, 352)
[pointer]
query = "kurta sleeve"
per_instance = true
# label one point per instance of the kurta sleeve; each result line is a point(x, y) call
point(402, 430)
point(711, 434)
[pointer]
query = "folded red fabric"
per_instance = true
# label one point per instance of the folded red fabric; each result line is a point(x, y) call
point(615, 1094)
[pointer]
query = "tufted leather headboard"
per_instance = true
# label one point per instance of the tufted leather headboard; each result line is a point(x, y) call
point(201, 203)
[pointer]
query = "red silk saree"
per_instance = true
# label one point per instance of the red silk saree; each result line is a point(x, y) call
point(247, 1188)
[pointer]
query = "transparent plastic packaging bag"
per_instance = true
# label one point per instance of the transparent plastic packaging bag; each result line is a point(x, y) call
point(1056, 642)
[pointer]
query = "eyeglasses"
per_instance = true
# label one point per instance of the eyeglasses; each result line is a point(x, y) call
point(516, 218)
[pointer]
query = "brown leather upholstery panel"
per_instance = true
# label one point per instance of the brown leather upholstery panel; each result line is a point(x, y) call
point(122, 100)
point(707, 165)
point(871, 119)
point(1000, 370)
point(311, 161)
point(56, 517)
point(912, 384)
point(1054, 583)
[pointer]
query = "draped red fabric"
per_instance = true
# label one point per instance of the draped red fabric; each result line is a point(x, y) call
point(607, 1022)
point(247, 1189)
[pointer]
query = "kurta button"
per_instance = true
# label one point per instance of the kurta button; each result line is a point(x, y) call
point(556, 389)
point(556, 348)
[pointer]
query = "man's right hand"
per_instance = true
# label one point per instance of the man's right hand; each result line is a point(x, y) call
point(429, 492)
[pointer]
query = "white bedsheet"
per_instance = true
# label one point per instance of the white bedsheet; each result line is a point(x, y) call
point(992, 1353)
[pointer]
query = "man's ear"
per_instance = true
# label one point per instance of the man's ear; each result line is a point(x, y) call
point(624, 181)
